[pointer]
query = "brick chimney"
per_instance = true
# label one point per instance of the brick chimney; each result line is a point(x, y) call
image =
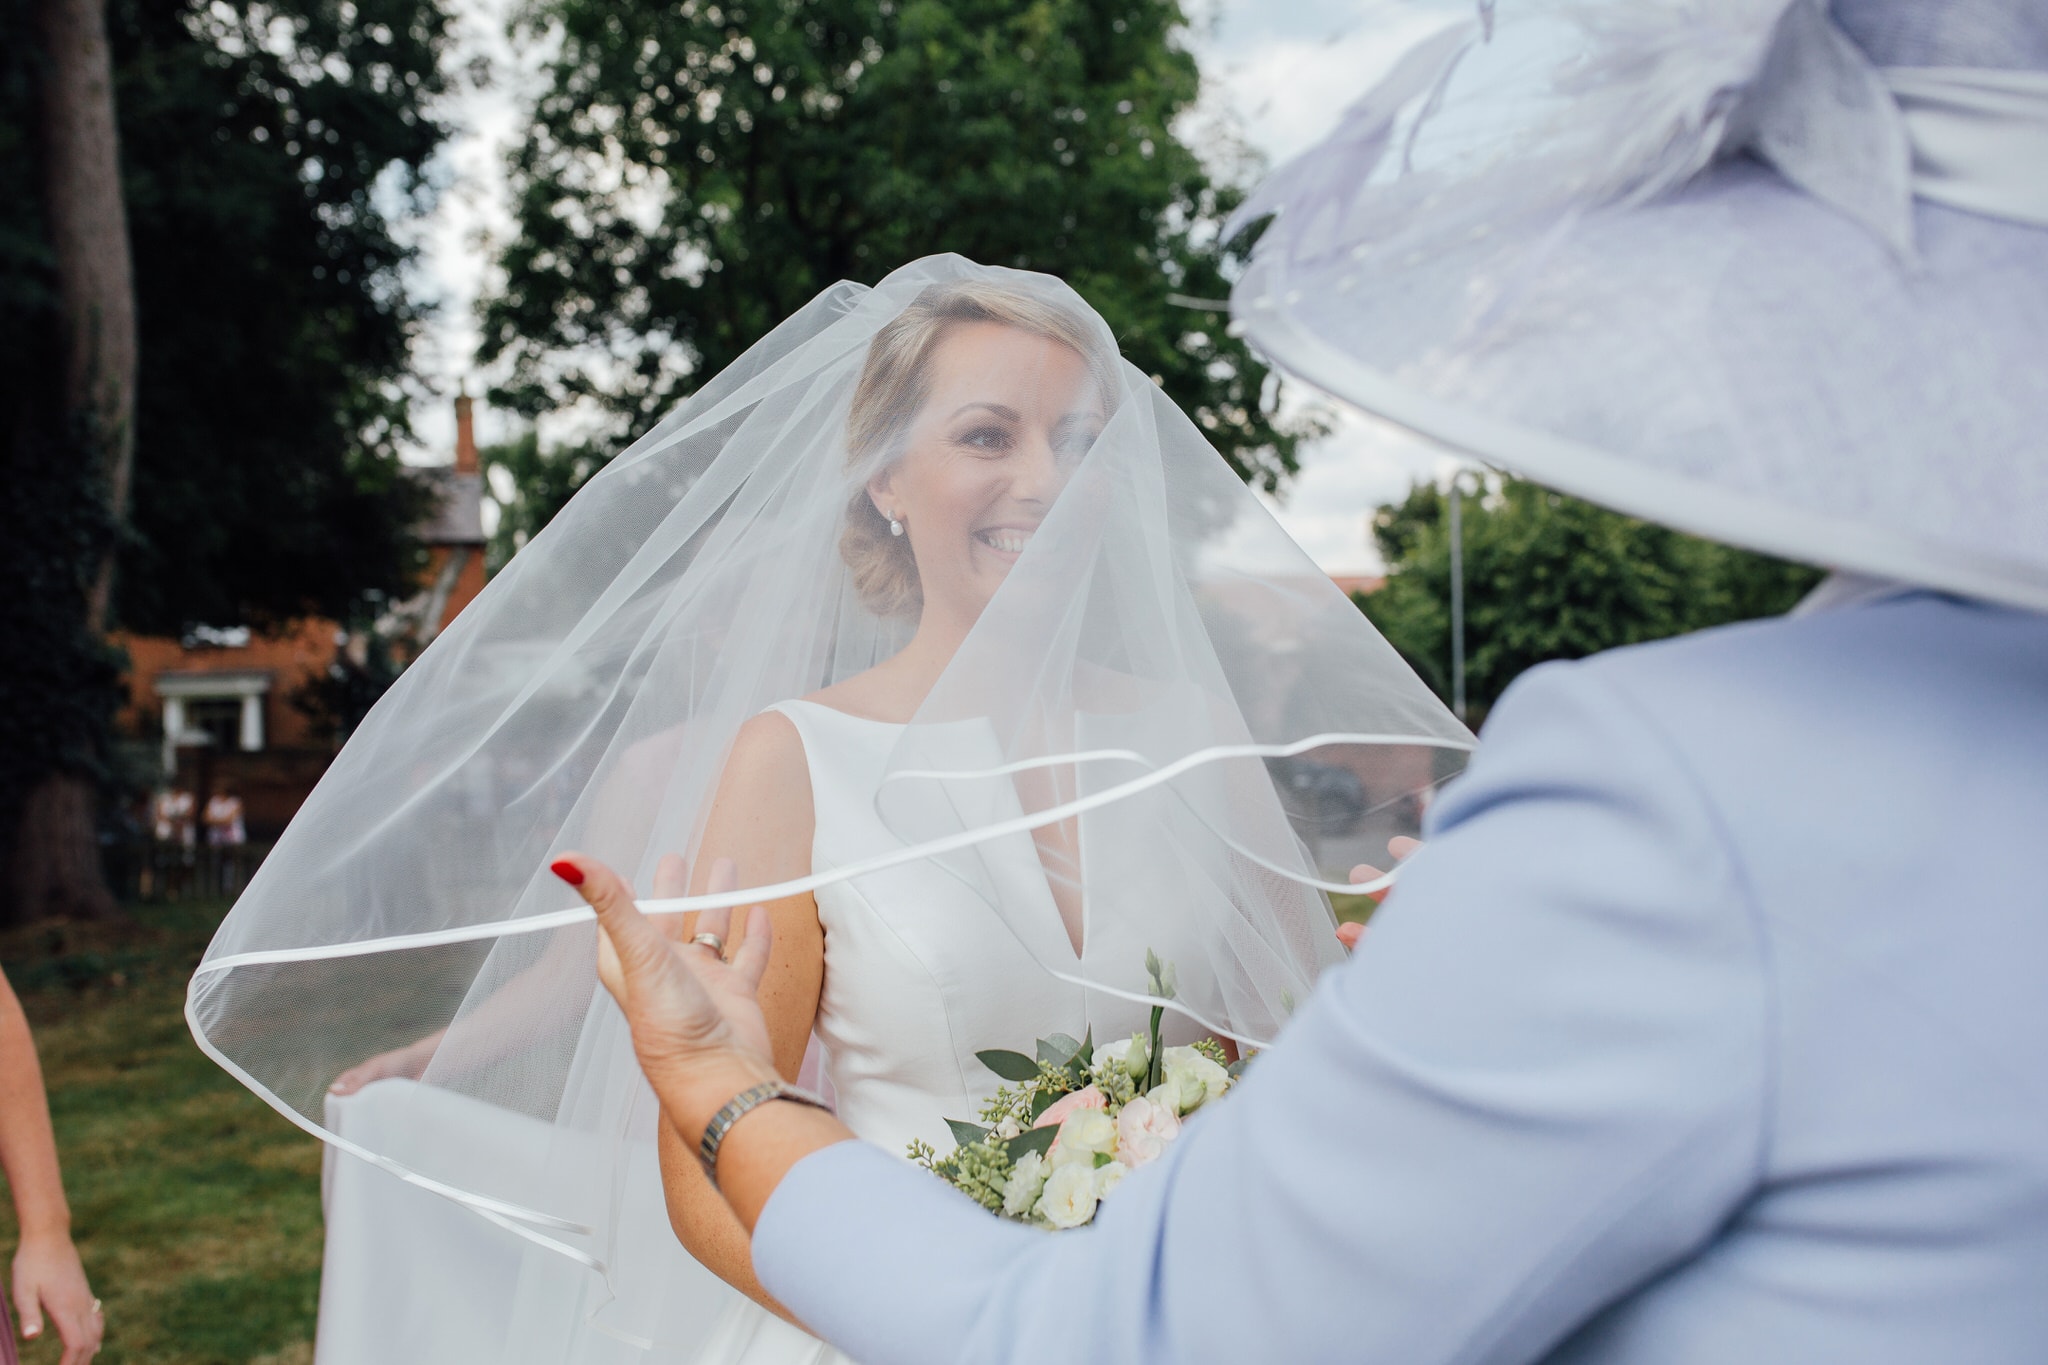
point(465, 435)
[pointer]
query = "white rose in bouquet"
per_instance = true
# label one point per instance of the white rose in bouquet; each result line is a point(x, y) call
point(1084, 1135)
point(1026, 1183)
point(1105, 1110)
point(1142, 1131)
point(1069, 1199)
point(1192, 1078)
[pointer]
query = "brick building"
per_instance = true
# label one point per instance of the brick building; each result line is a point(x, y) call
point(219, 706)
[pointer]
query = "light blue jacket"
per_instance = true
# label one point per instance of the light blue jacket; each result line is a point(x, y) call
point(1711, 1028)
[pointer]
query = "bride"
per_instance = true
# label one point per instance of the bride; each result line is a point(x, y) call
point(973, 408)
point(931, 625)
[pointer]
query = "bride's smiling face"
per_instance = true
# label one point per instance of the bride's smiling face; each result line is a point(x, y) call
point(1008, 416)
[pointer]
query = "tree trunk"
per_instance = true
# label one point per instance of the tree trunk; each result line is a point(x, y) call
point(55, 865)
point(89, 230)
point(56, 872)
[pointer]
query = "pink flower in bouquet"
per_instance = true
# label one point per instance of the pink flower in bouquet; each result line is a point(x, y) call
point(1142, 1131)
point(1087, 1097)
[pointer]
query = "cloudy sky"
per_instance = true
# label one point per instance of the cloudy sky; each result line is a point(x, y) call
point(1277, 75)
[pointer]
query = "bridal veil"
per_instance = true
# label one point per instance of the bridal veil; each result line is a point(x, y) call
point(1162, 668)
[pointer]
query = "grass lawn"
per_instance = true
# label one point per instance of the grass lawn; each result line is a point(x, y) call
point(1352, 909)
point(196, 1207)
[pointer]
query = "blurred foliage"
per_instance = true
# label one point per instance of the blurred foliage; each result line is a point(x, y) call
point(59, 683)
point(529, 484)
point(695, 172)
point(1550, 577)
point(266, 146)
point(366, 664)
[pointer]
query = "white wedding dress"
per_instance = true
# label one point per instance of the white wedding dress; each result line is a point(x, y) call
point(921, 973)
point(1154, 664)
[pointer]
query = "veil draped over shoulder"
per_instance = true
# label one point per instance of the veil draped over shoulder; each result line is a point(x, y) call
point(1161, 671)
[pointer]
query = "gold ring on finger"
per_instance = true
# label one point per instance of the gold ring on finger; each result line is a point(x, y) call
point(711, 941)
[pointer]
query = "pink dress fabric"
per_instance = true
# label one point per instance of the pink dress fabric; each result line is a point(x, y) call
point(7, 1353)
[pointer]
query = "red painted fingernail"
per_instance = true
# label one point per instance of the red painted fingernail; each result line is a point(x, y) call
point(567, 871)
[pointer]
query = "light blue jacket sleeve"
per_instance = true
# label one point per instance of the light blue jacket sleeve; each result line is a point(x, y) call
point(1543, 1079)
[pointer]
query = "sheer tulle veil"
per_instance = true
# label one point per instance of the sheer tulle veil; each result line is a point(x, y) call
point(1161, 668)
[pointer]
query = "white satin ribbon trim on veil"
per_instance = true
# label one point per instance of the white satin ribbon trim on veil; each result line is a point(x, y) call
point(723, 900)
point(592, 695)
point(524, 1221)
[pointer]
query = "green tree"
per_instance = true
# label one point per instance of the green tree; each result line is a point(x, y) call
point(260, 147)
point(267, 145)
point(68, 348)
point(696, 171)
point(1550, 577)
point(529, 484)
point(59, 682)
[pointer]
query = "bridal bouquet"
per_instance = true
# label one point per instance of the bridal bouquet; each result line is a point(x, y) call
point(1076, 1118)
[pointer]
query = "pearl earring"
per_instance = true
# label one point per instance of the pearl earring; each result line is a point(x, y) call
point(895, 526)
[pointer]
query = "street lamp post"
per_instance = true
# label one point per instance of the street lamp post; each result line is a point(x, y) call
point(1458, 595)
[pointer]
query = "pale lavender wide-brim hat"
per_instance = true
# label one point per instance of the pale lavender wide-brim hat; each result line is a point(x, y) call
point(1771, 271)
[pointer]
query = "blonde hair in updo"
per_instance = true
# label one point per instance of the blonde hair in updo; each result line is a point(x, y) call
point(894, 384)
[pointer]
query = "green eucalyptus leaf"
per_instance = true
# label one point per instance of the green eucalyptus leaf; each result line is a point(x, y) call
point(965, 1133)
point(1032, 1140)
point(1058, 1049)
point(1011, 1066)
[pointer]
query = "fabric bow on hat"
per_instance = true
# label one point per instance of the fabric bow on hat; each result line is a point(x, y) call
point(1672, 88)
point(1771, 271)
point(1867, 140)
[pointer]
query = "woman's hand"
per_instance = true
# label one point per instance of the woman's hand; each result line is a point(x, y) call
point(504, 1018)
point(48, 1278)
point(1400, 846)
point(408, 1062)
point(697, 1025)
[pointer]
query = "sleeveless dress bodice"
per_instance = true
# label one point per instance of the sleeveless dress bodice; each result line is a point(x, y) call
point(921, 972)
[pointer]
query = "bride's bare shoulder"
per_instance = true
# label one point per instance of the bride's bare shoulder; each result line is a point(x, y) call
point(766, 762)
point(762, 816)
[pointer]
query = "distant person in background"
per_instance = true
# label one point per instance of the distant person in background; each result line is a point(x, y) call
point(171, 813)
point(224, 828)
point(225, 833)
point(171, 817)
point(49, 1280)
